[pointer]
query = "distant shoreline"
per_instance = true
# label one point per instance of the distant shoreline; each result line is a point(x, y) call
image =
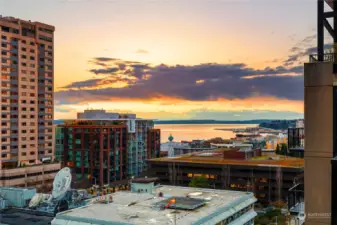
point(253, 122)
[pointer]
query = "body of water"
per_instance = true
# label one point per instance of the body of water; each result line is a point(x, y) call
point(189, 132)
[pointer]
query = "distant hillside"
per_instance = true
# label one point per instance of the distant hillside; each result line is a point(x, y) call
point(278, 124)
point(56, 122)
point(272, 124)
point(210, 121)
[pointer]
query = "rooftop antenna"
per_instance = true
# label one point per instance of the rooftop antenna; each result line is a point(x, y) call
point(61, 183)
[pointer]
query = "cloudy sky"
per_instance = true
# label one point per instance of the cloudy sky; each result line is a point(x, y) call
point(178, 59)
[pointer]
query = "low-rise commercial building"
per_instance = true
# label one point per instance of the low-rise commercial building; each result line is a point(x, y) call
point(149, 204)
point(269, 178)
point(39, 176)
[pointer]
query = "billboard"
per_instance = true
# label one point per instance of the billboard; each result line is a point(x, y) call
point(131, 126)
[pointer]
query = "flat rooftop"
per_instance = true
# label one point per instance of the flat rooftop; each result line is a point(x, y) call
point(142, 208)
point(288, 162)
point(18, 217)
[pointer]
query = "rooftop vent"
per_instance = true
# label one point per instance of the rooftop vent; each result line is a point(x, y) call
point(182, 203)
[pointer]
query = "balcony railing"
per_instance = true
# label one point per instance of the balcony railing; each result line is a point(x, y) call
point(327, 57)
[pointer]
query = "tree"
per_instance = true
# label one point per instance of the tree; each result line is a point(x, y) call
point(278, 150)
point(262, 144)
point(200, 182)
point(284, 149)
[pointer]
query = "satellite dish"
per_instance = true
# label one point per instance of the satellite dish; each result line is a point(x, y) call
point(61, 183)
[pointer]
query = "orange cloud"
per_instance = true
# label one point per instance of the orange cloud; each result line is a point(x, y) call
point(180, 108)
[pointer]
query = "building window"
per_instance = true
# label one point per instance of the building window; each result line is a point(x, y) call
point(23, 154)
point(23, 146)
point(3, 37)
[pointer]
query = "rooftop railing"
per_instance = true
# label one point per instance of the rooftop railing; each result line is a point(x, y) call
point(326, 57)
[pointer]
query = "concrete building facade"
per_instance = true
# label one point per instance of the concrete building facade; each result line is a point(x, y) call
point(27, 58)
point(319, 122)
point(39, 176)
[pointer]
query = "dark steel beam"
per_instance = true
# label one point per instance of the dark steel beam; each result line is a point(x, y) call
point(329, 28)
point(335, 36)
point(329, 14)
point(320, 30)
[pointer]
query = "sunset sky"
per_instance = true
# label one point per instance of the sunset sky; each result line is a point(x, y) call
point(178, 59)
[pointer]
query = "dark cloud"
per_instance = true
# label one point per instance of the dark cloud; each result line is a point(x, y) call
point(180, 81)
point(93, 83)
point(299, 52)
point(104, 71)
point(105, 59)
point(196, 82)
point(309, 39)
point(86, 83)
point(142, 51)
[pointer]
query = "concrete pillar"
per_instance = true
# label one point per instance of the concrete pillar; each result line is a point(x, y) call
point(318, 115)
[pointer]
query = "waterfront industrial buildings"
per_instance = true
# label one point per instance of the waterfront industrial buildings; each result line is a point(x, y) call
point(26, 91)
point(104, 147)
point(268, 177)
point(148, 204)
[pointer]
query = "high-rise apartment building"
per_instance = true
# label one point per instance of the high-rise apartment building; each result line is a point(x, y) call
point(26, 110)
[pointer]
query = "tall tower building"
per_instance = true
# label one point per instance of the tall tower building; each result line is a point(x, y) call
point(320, 114)
point(27, 73)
